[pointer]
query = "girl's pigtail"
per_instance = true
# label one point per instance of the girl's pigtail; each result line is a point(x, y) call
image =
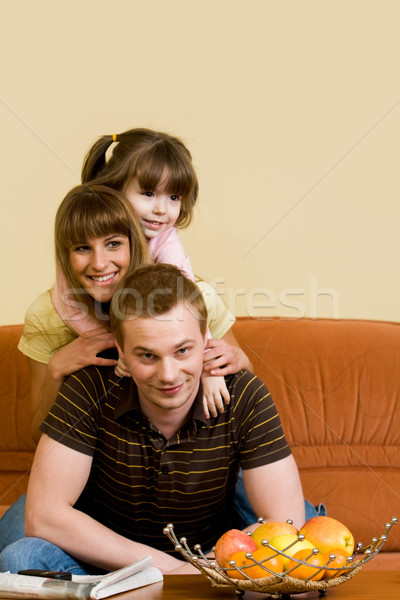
point(95, 159)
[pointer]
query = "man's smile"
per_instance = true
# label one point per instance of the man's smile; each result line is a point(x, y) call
point(171, 391)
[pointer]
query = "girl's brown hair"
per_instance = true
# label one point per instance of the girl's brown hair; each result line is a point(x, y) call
point(150, 157)
point(92, 211)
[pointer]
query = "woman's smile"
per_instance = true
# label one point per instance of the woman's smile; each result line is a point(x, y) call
point(103, 278)
point(100, 263)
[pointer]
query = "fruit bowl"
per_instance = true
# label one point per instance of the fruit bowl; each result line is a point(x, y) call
point(278, 584)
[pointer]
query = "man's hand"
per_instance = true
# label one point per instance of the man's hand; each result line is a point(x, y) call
point(184, 569)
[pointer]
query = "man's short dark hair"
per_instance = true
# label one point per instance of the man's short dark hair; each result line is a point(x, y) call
point(154, 290)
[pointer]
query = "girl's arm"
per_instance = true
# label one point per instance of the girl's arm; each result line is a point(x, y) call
point(46, 379)
point(222, 357)
point(215, 394)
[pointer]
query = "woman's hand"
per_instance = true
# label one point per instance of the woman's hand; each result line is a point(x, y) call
point(82, 352)
point(222, 358)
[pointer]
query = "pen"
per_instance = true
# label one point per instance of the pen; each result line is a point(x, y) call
point(50, 574)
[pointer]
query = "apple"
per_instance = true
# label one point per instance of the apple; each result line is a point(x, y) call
point(281, 543)
point(327, 533)
point(229, 543)
point(267, 531)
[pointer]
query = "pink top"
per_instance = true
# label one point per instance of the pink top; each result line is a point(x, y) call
point(167, 248)
point(66, 306)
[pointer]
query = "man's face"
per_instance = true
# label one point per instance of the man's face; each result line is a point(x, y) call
point(164, 355)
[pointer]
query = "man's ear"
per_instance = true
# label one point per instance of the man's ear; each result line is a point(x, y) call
point(120, 351)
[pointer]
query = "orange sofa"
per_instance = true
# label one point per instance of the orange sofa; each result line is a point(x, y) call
point(337, 387)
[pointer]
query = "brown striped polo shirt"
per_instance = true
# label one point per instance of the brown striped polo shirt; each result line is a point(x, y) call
point(140, 481)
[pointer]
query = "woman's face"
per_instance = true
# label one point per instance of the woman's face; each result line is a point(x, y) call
point(99, 264)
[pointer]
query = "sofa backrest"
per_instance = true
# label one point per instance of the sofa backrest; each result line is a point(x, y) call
point(16, 444)
point(337, 387)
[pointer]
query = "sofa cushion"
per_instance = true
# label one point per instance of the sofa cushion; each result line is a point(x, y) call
point(337, 388)
point(16, 444)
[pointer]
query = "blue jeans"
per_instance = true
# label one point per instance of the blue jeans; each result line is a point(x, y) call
point(244, 514)
point(35, 553)
point(12, 524)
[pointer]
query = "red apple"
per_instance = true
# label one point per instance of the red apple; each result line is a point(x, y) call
point(326, 534)
point(229, 543)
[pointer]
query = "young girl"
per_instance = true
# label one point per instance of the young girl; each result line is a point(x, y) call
point(155, 173)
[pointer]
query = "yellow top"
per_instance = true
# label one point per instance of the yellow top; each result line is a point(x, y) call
point(45, 332)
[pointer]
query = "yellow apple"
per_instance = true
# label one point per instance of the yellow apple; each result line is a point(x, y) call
point(267, 531)
point(289, 544)
point(229, 543)
point(327, 533)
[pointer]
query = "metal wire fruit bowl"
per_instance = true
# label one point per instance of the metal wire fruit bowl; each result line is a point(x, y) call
point(279, 584)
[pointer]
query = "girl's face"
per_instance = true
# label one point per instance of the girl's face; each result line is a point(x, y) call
point(156, 210)
point(100, 263)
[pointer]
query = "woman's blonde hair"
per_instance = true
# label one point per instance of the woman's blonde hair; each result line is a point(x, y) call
point(150, 157)
point(93, 211)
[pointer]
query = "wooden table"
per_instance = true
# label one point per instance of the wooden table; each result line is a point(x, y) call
point(368, 585)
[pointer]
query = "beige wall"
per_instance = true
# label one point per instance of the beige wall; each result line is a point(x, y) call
point(291, 110)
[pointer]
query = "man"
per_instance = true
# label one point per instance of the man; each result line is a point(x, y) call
point(119, 459)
